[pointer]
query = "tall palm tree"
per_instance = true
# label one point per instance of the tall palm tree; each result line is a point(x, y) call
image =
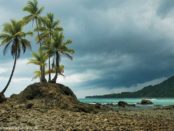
point(50, 25)
point(39, 58)
point(34, 11)
point(14, 38)
point(47, 47)
point(60, 47)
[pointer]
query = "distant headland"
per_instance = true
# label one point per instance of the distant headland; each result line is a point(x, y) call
point(164, 89)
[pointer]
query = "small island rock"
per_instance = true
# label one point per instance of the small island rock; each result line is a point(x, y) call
point(122, 104)
point(146, 102)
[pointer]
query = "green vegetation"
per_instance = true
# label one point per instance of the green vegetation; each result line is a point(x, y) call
point(47, 33)
point(13, 37)
point(162, 90)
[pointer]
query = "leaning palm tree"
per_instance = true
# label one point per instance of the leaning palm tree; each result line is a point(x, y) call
point(14, 38)
point(39, 58)
point(60, 47)
point(50, 25)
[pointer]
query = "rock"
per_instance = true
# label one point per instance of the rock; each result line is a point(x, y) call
point(13, 96)
point(49, 95)
point(98, 106)
point(29, 106)
point(2, 111)
point(122, 104)
point(146, 102)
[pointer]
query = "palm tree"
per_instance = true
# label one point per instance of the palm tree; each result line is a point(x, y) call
point(34, 16)
point(60, 69)
point(39, 58)
point(34, 12)
point(50, 25)
point(47, 47)
point(14, 38)
point(60, 48)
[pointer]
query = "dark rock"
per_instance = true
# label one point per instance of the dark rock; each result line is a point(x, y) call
point(87, 108)
point(29, 106)
point(122, 104)
point(48, 94)
point(146, 102)
point(98, 106)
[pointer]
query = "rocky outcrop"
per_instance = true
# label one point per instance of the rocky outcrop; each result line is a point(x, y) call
point(146, 102)
point(125, 104)
point(122, 104)
point(49, 95)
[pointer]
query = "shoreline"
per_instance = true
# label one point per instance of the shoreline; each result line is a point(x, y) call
point(58, 119)
point(132, 101)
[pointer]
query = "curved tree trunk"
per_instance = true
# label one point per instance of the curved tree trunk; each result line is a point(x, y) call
point(57, 65)
point(12, 72)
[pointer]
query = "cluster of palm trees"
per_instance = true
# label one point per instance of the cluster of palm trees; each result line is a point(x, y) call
point(48, 34)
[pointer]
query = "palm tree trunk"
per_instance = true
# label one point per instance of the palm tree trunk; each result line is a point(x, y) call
point(42, 70)
point(42, 78)
point(57, 65)
point(14, 65)
point(49, 66)
point(40, 73)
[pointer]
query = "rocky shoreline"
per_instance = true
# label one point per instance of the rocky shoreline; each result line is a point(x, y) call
point(54, 107)
point(19, 117)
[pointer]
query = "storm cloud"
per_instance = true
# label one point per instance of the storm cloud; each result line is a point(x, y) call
point(119, 44)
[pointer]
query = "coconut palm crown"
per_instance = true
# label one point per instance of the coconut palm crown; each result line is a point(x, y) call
point(14, 37)
point(39, 58)
point(34, 12)
point(60, 47)
point(49, 27)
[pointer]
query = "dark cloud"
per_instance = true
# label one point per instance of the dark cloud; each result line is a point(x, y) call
point(122, 42)
point(165, 7)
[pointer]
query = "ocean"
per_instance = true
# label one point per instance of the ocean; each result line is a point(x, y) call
point(114, 101)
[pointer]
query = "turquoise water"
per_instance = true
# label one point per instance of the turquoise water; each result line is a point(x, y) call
point(162, 102)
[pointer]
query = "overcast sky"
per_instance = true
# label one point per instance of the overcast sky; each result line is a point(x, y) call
point(121, 45)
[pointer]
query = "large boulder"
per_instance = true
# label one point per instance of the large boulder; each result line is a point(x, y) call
point(146, 102)
point(48, 95)
point(122, 104)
